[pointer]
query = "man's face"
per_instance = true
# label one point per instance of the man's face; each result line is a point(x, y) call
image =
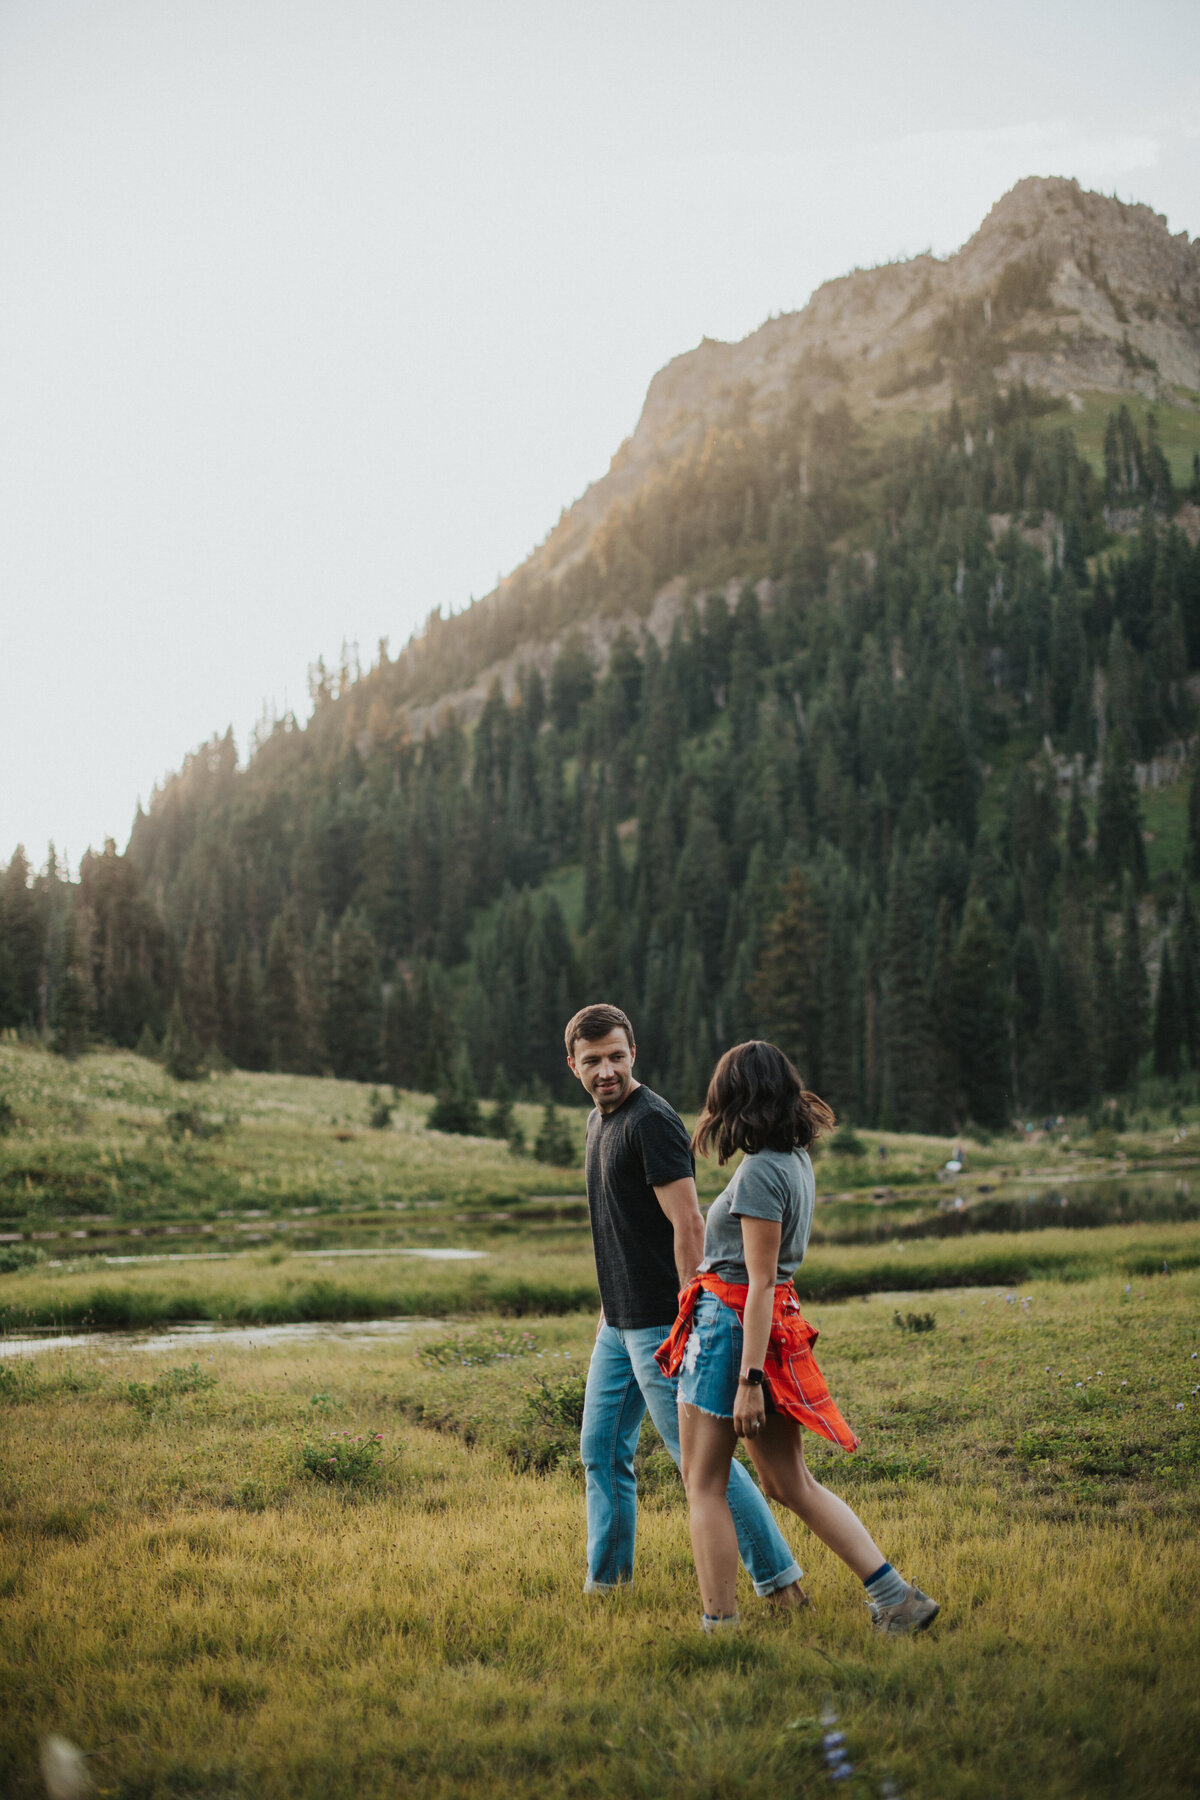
point(605, 1067)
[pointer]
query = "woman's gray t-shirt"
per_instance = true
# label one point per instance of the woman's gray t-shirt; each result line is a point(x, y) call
point(773, 1184)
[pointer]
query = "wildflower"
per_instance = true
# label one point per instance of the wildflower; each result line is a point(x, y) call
point(1179, 1406)
point(1124, 1384)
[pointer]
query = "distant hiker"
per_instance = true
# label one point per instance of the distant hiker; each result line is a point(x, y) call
point(648, 1235)
point(743, 1349)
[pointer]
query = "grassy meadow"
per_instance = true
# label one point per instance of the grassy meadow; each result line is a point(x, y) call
point(351, 1565)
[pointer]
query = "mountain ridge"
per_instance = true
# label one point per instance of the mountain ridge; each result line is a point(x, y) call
point(1067, 291)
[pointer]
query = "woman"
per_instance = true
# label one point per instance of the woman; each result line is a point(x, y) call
point(743, 1350)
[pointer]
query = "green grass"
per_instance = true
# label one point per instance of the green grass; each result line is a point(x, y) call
point(189, 1604)
point(93, 1137)
point(1165, 821)
point(1178, 430)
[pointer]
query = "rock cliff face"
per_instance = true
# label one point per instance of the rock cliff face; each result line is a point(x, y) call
point(1066, 290)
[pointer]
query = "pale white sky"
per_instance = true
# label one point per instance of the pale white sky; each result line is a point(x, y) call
point(315, 313)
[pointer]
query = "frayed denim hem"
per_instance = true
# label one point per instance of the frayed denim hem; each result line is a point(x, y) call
point(691, 1406)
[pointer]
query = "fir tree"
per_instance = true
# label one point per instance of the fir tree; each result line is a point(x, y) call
point(181, 1053)
point(22, 939)
point(1076, 832)
point(981, 1018)
point(1131, 1025)
point(908, 1060)
point(1104, 1000)
point(1119, 842)
point(1168, 1024)
point(554, 1142)
point(246, 1050)
point(353, 1017)
point(198, 987)
point(70, 1015)
point(1186, 965)
point(456, 1108)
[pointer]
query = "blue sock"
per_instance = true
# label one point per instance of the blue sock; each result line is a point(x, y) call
point(885, 1587)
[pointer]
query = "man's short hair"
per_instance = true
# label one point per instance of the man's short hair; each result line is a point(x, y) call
point(593, 1022)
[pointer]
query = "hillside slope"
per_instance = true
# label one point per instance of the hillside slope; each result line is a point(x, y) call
point(1074, 294)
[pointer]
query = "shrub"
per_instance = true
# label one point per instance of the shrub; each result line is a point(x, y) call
point(189, 1122)
point(8, 1117)
point(914, 1321)
point(547, 1434)
point(380, 1115)
point(147, 1396)
point(476, 1349)
point(350, 1461)
point(848, 1143)
point(20, 1256)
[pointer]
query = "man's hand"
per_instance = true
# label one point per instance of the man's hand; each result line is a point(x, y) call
point(678, 1200)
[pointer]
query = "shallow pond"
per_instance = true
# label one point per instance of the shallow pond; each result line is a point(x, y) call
point(189, 1337)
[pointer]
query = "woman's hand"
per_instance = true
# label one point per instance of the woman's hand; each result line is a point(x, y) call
point(749, 1410)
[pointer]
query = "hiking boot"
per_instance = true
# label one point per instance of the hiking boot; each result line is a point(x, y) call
point(913, 1613)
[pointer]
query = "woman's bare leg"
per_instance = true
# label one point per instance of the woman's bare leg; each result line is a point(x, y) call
point(778, 1455)
point(706, 1447)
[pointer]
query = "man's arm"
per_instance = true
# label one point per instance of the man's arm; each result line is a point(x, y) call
point(678, 1200)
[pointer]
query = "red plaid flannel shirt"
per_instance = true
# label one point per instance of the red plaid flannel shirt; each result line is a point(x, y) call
point(789, 1368)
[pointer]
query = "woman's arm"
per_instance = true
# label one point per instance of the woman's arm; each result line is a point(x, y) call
point(760, 1250)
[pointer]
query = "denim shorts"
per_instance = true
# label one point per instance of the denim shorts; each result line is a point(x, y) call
point(712, 1358)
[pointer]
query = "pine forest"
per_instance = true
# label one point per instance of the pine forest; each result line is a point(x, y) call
point(879, 792)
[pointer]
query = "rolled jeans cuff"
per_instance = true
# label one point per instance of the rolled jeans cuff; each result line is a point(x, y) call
point(793, 1572)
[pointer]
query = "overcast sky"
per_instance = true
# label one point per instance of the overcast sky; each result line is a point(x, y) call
point(315, 313)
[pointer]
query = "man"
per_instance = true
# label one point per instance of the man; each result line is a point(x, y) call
point(648, 1237)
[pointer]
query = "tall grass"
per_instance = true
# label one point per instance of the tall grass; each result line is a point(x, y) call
point(204, 1618)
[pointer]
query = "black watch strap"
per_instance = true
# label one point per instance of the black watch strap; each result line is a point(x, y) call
point(753, 1378)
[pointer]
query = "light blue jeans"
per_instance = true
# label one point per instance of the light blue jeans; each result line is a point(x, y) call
point(624, 1382)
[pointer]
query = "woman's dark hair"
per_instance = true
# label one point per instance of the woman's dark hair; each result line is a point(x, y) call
point(757, 1101)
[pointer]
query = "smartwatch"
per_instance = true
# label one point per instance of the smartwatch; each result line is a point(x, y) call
point(752, 1378)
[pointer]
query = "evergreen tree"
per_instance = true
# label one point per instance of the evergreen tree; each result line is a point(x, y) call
point(1067, 1071)
point(945, 771)
point(284, 999)
point(246, 1049)
point(1131, 1025)
point(1168, 1024)
point(456, 1108)
point(398, 1052)
point(198, 986)
point(1109, 1053)
point(181, 1054)
point(1186, 964)
point(1076, 833)
point(554, 1142)
point(70, 1015)
point(22, 939)
point(980, 1018)
point(353, 1017)
point(1119, 842)
point(908, 1060)
point(1193, 819)
point(786, 987)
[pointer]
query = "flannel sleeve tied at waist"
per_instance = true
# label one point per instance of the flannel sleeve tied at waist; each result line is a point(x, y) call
point(790, 1369)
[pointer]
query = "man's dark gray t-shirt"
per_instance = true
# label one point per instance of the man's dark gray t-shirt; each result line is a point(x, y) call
point(643, 1144)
